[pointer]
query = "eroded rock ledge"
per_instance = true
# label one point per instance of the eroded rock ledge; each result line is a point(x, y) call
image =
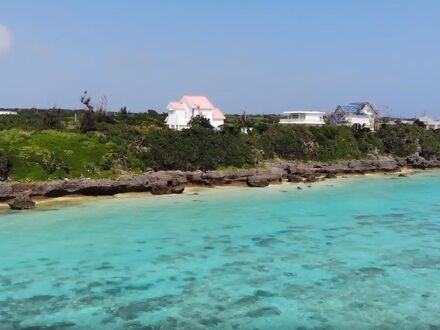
point(174, 182)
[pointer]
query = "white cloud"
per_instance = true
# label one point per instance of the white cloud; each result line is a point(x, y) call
point(5, 40)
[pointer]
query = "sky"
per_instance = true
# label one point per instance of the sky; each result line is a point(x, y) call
point(258, 56)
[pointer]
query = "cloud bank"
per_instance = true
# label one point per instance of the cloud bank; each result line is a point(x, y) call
point(5, 40)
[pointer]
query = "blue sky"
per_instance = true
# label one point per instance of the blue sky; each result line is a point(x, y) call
point(264, 56)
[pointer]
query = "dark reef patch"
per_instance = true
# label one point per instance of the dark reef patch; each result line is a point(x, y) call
point(263, 311)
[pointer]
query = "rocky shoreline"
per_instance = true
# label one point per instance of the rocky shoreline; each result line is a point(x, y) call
point(20, 195)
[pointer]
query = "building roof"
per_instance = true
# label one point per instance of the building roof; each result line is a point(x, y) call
point(356, 108)
point(198, 102)
point(176, 105)
point(352, 107)
point(217, 114)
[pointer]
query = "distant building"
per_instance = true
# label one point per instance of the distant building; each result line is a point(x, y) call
point(359, 114)
point(7, 112)
point(394, 121)
point(314, 118)
point(430, 123)
point(181, 112)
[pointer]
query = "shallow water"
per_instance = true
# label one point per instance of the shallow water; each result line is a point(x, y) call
point(357, 253)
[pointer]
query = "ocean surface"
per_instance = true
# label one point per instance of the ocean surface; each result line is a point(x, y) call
point(357, 253)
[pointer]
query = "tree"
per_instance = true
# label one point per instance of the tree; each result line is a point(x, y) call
point(419, 123)
point(123, 111)
point(88, 122)
point(200, 121)
point(51, 119)
point(5, 166)
point(430, 145)
point(152, 113)
point(85, 99)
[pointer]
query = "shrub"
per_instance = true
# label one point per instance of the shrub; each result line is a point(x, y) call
point(52, 119)
point(199, 121)
point(5, 166)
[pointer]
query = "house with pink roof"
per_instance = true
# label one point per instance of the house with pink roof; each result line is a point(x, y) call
point(181, 112)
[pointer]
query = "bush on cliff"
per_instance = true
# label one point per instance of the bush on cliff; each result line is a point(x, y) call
point(400, 139)
point(137, 142)
point(53, 155)
point(288, 142)
point(196, 148)
point(335, 143)
point(5, 166)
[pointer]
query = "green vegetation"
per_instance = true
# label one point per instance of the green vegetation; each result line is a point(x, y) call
point(51, 154)
point(51, 144)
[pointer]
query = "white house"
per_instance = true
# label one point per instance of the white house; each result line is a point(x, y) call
point(360, 114)
point(314, 118)
point(7, 112)
point(181, 112)
point(430, 123)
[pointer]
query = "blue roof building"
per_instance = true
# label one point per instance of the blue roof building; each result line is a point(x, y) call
point(358, 114)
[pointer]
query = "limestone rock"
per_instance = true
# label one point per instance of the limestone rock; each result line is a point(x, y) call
point(22, 201)
point(294, 178)
point(257, 181)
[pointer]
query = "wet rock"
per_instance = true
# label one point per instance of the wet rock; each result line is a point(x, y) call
point(164, 188)
point(401, 162)
point(172, 182)
point(55, 326)
point(167, 182)
point(246, 300)
point(294, 178)
point(215, 177)
point(263, 293)
point(387, 165)
point(6, 191)
point(264, 311)
point(132, 310)
point(311, 179)
point(416, 160)
point(265, 242)
point(211, 322)
point(330, 175)
point(371, 271)
point(258, 181)
point(195, 177)
point(22, 202)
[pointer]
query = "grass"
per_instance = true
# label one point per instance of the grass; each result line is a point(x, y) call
point(49, 154)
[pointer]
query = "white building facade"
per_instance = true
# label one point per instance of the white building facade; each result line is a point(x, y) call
point(360, 114)
point(181, 112)
point(313, 118)
point(430, 123)
point(7, 113)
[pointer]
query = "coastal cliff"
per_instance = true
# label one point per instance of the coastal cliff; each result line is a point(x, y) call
point(174, 182)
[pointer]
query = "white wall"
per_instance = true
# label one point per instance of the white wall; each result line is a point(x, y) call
point(303, 119)
point(179, 119)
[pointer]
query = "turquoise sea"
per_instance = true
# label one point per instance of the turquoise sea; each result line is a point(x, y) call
point(357, 253)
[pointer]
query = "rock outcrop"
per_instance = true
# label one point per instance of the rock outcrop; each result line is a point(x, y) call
point(22, 201)
point(257, 181)
point(418, 161)
point(174, 182)
point(294, 178)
